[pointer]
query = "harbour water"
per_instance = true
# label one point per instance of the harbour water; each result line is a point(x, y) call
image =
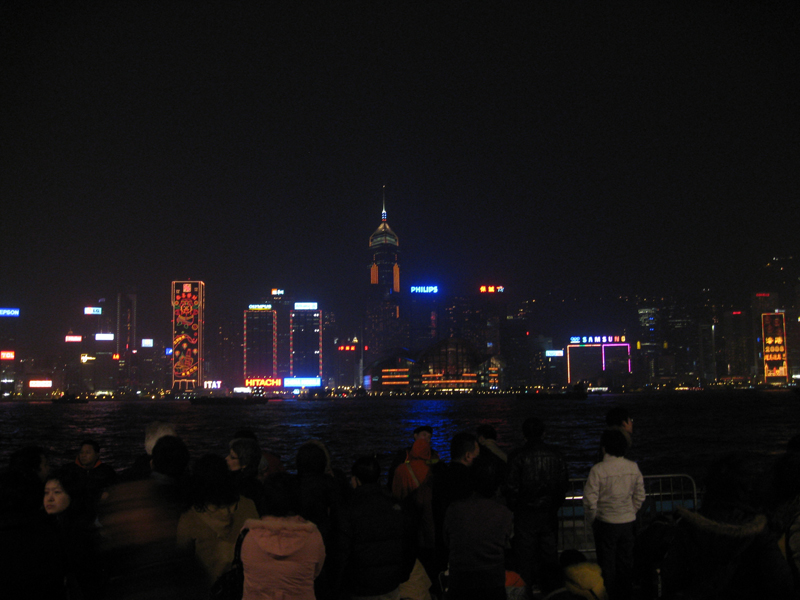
point(673, 433)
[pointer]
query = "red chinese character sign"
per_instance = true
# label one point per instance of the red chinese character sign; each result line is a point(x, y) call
point(773, 334)
point(187, 334)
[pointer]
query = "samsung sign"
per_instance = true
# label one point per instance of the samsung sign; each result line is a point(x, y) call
point(424, 289)
point(597, 339)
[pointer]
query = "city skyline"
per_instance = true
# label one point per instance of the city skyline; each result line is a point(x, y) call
point(567, 149)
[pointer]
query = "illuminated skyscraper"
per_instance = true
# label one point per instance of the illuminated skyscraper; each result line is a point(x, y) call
point(188, 305)
point(260, 342)
point(384, 328)
point(306, 340)
point(384, 270)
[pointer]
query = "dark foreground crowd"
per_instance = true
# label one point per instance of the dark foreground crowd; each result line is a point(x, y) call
point(483, 526)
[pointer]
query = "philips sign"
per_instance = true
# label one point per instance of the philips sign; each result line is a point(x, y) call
point(424, 289)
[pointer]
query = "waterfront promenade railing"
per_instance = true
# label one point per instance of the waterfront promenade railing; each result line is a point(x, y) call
point(665, 493)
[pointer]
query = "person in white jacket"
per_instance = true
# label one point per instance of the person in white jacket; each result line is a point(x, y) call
point(613, 494)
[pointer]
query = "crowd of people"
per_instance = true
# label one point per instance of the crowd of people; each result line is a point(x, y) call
point(483, 526)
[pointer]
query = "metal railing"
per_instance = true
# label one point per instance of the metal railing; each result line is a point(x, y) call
point(665, 493)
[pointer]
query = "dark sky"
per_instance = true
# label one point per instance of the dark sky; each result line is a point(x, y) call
point(624, 146)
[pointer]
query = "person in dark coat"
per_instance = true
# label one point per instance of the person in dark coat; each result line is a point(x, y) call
point(537, 484)
point(98, 476)
point(477, 532)
point(375, 536)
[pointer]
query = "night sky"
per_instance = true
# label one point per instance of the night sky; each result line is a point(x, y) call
point(579, 147)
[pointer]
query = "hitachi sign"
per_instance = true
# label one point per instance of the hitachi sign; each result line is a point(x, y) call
point(258, 382)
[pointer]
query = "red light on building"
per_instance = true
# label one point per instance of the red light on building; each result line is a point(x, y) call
point(762, 295)
point(737, 312)
point(7, 355)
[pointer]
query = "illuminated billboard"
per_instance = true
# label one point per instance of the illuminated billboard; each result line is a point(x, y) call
point(259, 307)
point(73, 338)
point(40, 383)
point(773, 329)
point(93, 310)
point(104, 337)
point(588, 361)
point(9, 312)
point(553, 353)
point(302, 382)
point(492, 289)
point(597, 339)
point(188, 304)
point(305, 306)
point(7, 355)
point(147, 343)
point(263, 382)
point(424, 289)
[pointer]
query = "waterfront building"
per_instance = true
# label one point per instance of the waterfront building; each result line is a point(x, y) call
point(599, 360)
point(385, 327)
point(305, 322)
point(348, 362)
point(260, 342)
point(188, 308)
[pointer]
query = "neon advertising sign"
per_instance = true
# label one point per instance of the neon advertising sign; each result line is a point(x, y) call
point(9, 312)
point(93, 310)
point(73, 338)
point(597, 339)
point(773, 327)
point(263, 382)
point(7, 355)
point(424, 289)
point(492, 289)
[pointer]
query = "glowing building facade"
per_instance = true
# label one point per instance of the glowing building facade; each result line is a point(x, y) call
point(260, 342)
point(188, 305)
point(306, 340)
point(384, 329)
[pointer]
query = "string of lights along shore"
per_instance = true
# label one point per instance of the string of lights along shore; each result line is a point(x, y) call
point(414, 337)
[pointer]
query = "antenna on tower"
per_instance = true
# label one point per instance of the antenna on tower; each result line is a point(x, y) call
point(383, 212)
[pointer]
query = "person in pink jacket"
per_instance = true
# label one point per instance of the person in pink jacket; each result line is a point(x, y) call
point(282, 553)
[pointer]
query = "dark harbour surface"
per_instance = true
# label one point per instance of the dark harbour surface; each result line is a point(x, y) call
point(673, 433)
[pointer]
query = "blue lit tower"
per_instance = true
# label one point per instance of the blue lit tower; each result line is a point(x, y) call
point(384, 328)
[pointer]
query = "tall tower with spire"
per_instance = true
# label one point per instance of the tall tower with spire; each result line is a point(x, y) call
point(384, 269)
point(384, 327)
